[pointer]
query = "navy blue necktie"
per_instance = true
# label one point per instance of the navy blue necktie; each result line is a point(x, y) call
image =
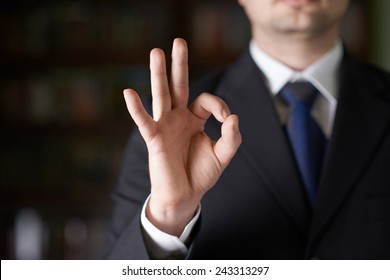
point(307, 139)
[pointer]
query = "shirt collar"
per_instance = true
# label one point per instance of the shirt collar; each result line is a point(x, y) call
point(322, 74)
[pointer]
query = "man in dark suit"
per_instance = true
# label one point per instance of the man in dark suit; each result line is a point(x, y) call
point(195, 191)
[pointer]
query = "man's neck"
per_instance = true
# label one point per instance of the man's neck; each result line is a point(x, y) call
point(297, 52)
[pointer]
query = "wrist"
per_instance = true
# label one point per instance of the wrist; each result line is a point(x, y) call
point(171, 218)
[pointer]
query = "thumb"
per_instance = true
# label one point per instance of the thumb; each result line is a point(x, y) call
point(227, 145)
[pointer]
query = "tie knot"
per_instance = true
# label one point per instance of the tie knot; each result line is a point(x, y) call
point(300, 91)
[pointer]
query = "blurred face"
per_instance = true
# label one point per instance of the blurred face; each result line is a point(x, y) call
point(305, 17)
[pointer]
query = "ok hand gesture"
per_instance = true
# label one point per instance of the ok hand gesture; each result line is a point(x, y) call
point(184, 162)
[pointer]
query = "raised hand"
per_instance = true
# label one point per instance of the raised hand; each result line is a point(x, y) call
point(184, 163)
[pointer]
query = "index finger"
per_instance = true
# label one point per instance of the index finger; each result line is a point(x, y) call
point(207, 104)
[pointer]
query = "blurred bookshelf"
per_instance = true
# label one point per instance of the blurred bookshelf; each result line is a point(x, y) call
point(64, 124)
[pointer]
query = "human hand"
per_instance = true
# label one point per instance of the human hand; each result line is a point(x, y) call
point(184, 162)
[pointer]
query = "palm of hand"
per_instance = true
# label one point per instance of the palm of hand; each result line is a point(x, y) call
point(182, 155)
point(184, 163)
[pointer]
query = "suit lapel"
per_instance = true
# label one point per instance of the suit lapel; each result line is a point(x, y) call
point(361, 119)
point(265, 145)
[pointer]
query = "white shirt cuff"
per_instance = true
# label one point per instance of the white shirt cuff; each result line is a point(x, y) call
point(165, 246)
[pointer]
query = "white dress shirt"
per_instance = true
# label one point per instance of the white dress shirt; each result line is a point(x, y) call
point(322, 74)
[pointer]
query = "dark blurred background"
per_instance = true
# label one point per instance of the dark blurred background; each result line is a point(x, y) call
point(63, 121)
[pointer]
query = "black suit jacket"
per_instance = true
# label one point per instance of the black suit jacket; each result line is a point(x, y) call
point(259, 209)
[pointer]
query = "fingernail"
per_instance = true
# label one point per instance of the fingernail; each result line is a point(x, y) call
point(225, 113)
